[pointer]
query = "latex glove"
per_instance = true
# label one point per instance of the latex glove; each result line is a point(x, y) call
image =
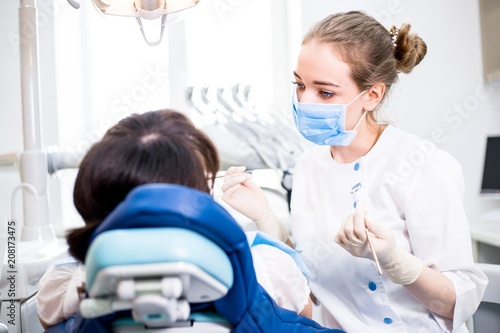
point(242, 194)
point(400, 266)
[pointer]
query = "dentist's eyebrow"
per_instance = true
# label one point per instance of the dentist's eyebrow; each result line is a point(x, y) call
point(326, 83)
point(320, 83)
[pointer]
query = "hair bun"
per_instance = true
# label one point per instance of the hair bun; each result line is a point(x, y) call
point(409, 49)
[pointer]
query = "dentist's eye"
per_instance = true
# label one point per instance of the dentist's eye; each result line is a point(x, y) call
point(299, 85)
point(327, 94)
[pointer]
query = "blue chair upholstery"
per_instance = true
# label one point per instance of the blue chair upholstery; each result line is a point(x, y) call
point(246, 306)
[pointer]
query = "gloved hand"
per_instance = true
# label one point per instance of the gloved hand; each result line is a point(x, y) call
point(400, 266)
point(242, 194)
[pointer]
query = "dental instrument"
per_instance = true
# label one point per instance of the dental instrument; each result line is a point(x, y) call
point(223, 175)
point(354, 191)
point(373, 252)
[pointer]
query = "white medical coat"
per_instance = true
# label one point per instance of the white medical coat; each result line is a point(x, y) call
point(408, 186)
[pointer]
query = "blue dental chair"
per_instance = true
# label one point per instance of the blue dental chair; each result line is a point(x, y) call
point(170, 259)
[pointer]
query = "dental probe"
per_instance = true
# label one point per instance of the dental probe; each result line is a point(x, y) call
point(373, 251)
point(354, 190)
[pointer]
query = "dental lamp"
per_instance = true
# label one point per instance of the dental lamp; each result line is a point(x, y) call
point(142, 9)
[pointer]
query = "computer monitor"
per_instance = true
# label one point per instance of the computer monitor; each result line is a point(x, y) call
point(491, 169)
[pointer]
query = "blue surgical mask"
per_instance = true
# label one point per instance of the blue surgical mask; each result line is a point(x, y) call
point(324, 124)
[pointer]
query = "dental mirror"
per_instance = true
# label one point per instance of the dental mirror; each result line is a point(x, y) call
point(354, 191)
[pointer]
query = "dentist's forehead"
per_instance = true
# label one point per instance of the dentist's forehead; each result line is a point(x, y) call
point(319, 63)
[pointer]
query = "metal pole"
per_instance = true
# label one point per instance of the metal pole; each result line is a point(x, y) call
point(33, 159)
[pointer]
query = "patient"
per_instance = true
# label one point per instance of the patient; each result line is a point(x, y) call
point(155, 147)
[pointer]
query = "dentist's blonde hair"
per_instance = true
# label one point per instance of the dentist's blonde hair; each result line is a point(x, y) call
point(374, 54)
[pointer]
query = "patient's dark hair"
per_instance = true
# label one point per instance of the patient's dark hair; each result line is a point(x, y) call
point(154, 147)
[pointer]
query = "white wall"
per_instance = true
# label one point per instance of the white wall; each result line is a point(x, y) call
point(428, 101)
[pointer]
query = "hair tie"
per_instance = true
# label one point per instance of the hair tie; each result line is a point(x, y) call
point(394, 35)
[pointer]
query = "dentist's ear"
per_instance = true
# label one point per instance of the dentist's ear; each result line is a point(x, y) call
point(373, 96)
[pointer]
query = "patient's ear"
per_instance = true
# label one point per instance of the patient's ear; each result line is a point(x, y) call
point(307, 310)
point(44, 324)
point(81, 291)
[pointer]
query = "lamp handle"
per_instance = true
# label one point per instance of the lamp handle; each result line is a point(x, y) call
point(163, 20)
point(74, 4)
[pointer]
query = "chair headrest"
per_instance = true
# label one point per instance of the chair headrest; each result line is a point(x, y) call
point(163, 205)
point(149, 247)
point(169, 205)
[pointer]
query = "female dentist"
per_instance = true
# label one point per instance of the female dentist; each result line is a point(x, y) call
point(377, 213)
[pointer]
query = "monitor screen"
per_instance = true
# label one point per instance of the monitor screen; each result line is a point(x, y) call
point(491, 170)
